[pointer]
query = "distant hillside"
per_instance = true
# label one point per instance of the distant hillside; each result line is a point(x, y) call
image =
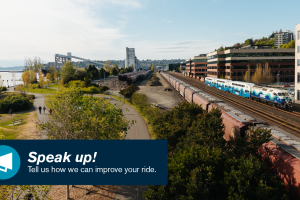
point(12, 68)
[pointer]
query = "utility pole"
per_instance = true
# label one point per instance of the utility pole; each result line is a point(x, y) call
point(68, 193)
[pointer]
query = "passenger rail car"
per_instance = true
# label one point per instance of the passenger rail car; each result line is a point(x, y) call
point(210, 81)
point(273, 96)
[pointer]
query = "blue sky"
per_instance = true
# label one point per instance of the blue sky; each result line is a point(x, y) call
point(157, 29)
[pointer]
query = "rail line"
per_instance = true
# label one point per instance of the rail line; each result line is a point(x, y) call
point(240, 102)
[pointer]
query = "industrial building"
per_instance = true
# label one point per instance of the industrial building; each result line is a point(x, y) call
point(131, 59)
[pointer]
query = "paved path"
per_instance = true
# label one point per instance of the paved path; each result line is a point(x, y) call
point(138, 131)
point(39, 101)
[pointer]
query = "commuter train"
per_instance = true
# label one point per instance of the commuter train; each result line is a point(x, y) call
point(274, 96)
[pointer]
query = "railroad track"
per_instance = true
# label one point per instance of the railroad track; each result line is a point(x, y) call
point(247, 104)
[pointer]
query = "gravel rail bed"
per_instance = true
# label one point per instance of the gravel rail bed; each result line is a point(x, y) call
point(283, 115)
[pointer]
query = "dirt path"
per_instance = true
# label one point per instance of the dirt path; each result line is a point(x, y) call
point(158, 95)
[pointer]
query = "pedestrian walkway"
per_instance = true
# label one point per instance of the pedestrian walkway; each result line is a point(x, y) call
point(38, 101)
point(138, 131)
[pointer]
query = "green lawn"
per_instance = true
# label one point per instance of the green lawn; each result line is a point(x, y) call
point(55, 85)
point(11, 132)
point(42, 90)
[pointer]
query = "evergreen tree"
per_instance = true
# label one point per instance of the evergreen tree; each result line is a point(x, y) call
point(203, 165)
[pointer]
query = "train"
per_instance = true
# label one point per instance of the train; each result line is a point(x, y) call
point(274, 96)
point(131, 77)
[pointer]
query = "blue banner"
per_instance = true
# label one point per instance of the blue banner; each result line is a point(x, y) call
point(83, 162)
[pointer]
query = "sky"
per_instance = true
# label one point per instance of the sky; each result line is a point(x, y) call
point(157, 29)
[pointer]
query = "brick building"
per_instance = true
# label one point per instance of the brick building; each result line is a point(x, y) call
point(197, 66)
point(234, 62)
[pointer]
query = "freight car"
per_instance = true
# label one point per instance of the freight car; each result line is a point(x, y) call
point(235, 122)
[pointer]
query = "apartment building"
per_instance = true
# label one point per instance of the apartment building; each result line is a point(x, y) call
point(234, 62)
point(197, 66)
point(283, 38)
point(297, 64)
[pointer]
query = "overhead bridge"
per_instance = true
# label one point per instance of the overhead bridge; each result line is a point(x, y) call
point(64, 58)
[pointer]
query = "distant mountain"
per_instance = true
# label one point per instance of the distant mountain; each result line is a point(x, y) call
point(12, 68)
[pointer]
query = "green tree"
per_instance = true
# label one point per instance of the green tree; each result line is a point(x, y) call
point(52, 70)
point(93, 71)
point(290, 45)
point(128, 92)
point(248, 42)
point(203, 165)
point(114, 71)
point(67, 71)
point(221, 49)
point(75, 118)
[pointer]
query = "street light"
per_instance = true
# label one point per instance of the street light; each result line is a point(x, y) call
point(277, 79)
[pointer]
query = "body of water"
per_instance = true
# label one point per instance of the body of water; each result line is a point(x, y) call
point(7, 79)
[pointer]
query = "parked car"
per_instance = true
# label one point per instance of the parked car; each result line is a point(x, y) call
point(286, 86)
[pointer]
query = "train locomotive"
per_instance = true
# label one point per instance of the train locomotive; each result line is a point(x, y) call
point(274, 96)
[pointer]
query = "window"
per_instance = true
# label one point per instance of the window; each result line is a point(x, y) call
point(298, 94)
point(298, 62)
point(298, 77)
point(298, 35)
point(298, 49)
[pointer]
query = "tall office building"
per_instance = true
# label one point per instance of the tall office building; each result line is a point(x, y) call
point(283, 38)
point(297, 64)
point(131, 59)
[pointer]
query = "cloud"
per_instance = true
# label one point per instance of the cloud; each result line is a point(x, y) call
point(167, 21)
point(127, 3)
point(183, 45)
point(43, 28)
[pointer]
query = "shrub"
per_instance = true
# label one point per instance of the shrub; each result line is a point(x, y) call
point(128, 92)
point(3, 88)
point(15, 102)
point(76, 83)
point(29, 96)
point(90, 90)
point(103, 89)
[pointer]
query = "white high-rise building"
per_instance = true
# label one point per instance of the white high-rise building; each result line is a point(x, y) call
point(297, 64)
point(131, 59)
